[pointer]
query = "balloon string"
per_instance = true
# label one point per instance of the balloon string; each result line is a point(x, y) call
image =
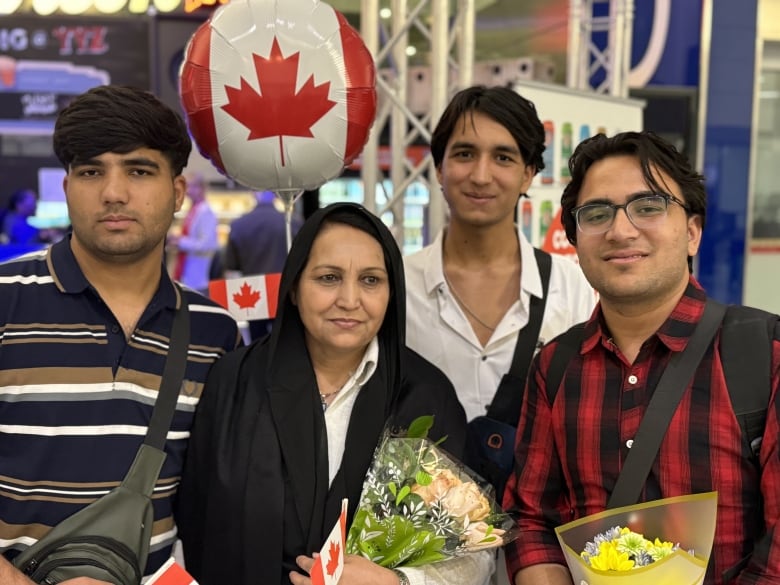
point(289, 200)
point(288, 209)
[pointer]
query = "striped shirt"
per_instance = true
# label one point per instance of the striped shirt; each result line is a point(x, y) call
point(76, 396)
point(573, 450)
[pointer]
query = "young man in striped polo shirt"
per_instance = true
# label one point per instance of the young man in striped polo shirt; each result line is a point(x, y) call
point(85, 326)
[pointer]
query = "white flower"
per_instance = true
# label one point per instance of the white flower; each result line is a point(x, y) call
point(466, 501)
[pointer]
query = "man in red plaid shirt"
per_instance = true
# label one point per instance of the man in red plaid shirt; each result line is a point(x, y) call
point(635, 210)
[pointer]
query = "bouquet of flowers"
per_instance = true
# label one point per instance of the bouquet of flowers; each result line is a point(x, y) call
point(626, 542)
point(420, 506)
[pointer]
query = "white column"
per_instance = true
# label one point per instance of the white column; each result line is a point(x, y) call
point(369, 31)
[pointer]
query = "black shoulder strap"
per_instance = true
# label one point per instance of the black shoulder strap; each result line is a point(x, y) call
point(173, 374)
point(746, 353)
point(663, 404)
point(566, 347)
point(509, 396)
point(150, 457)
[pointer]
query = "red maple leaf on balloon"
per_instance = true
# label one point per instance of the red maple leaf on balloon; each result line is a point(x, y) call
point(247, 297)
point(278, 110)
point(333, 559)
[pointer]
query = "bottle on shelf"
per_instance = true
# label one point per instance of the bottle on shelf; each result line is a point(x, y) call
point(547, 156)
point(526, 218)
point(545, 218)
point(566, 148)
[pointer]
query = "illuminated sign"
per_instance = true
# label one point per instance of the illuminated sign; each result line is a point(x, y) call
point(68, 40)
point(76, 7)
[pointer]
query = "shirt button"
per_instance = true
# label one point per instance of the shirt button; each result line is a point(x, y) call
point(484, 357)
point(115, 329)
point(632, 379)
point(630, 443)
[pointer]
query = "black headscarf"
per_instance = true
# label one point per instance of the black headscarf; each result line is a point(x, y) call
point(378, 396)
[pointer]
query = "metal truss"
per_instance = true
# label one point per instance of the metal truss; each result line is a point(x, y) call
point(599, 54)
point(448, 26)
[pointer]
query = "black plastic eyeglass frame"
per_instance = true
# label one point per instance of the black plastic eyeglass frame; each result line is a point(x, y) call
point(615, 207)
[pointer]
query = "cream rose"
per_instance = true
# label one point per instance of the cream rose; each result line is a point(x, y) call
point(443, 480)
point(466, 501)
point(476, 532)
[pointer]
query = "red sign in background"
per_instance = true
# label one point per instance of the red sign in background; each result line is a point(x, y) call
point(555, 241)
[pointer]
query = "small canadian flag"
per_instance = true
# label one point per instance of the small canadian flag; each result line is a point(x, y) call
point(329, 565)
point(171, 573)
point(248, 298)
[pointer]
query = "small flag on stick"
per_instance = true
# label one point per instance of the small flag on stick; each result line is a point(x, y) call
point(329, 565)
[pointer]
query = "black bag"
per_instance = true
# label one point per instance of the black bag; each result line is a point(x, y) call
point(491, 438)
point(109, 539)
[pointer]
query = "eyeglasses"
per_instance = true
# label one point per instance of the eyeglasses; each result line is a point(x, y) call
point(642, 212)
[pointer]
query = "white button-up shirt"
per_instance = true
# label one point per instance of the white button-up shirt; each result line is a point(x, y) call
point(338, 413)
point(440, 331)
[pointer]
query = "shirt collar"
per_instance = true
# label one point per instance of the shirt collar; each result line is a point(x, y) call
point(530, 278)
point(362, 373)
point(433, 275)
point(70, 279)
point(367, 365)
point(674, 333)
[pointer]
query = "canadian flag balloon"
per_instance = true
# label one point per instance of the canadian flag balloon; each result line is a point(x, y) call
point(279, 94)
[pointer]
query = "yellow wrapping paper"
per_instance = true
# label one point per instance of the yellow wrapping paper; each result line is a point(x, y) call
point(687, 520)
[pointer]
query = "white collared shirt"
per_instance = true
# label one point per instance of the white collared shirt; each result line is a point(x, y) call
point(339, 411)
point(438, 329)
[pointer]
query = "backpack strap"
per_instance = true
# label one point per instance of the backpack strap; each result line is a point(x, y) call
point(746, 353)
point(664, 401)
point(567, 346)
point(508, 400)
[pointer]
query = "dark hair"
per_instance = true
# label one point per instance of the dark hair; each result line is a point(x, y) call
point(652, 152)
point(505, 106)
point(115, 118)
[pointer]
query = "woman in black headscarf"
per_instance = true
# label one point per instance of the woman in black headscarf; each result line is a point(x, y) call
point(287, 427)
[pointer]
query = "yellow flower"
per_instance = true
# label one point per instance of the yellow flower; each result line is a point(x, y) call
point(609, 559)
point(658, 550)
point(631, 542)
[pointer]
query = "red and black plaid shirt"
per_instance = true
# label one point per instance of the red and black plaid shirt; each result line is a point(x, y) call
point(572, 452)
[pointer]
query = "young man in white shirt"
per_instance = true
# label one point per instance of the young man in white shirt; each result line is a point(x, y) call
point(469, 293)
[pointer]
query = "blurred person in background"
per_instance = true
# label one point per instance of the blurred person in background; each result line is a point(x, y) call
point(15, 227)
point(257, 244)
point(198, 242)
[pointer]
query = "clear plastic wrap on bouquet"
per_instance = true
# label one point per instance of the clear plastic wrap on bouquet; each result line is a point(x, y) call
point(419, 505)
point(686, 523)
